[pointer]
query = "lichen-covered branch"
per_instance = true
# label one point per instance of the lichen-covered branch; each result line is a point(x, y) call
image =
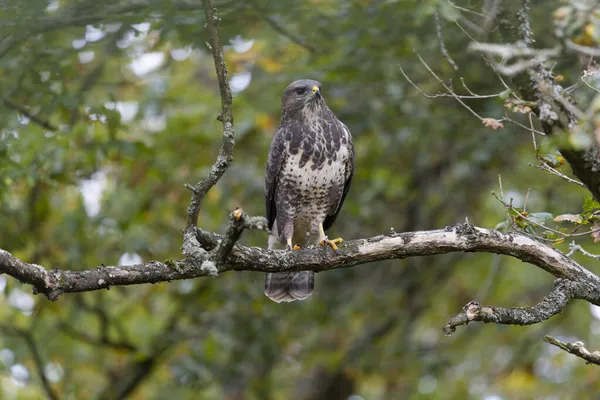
point(201, 259)
point(238, 221)
point(225, 156)
point(576, 349)
point(564, 290)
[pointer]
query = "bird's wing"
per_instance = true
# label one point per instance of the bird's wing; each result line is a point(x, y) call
point(349, 173)
point(274, 162)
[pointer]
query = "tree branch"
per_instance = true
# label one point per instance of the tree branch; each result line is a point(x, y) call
point(576, 349)
point(37, 358)
point(537, 83)
point(226, 117)
point(564, 290)
point(238, 221)
point(457, 238)
point(33, 117)
point(102, 341)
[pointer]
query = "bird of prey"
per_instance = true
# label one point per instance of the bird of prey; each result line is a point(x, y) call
point(308, 174)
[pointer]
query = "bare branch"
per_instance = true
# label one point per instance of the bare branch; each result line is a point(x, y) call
point(545, 167)
point(509, 51)
point(238, 221)
point(27, 336)
point(226, 117)
point(576, 349)
point(102, 341)
point(443, 50)
point(280, 29)
point(33, 117)
point(564, 290)
point(588, 51)
point(574, 247)
point(540, 225)
point(458, 238)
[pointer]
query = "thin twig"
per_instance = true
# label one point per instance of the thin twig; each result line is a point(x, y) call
point(438, 95)
point(27, 336)
point(448, 89)
point(576, 349)
point(33, 117)
point(545, 167)
point(226, 117)
point(564, 235)
point(277, 27)
point(443, 49)
point(574, 247)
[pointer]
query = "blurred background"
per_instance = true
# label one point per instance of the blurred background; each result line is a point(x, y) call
point(109, 108)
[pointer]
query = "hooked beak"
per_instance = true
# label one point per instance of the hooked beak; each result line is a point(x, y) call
point(316, 92)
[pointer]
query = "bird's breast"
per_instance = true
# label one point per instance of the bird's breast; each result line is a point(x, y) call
point(316, 183)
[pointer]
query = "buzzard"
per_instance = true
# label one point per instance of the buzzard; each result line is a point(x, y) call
point(309, 171)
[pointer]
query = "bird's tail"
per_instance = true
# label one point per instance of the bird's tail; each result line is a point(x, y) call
point(289, 286)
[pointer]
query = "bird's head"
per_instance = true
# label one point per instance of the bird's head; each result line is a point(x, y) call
point(301, 94)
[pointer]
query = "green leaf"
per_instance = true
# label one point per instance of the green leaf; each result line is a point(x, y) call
point(590, 205)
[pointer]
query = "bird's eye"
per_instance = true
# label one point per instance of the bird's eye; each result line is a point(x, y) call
point(300, 90)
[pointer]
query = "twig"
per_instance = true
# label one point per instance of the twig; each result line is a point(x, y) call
point(33, 117)
point(576, 349)
point(465, 9)
point(574, 247)
point(564, 235)
point(238, 221)
point(443, 50)
point(438, 95)
point(564, 290)
point(103, 341)
point(7, 44)
point(590, 51)
point(448, 89)
point(226, 117)
point(27, 336)
point(545, 167)
point(451, 93)
point(277, 27)
point(512, 121)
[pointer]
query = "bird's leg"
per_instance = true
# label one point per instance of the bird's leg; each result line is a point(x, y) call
point(324, 240)
point(290, 246)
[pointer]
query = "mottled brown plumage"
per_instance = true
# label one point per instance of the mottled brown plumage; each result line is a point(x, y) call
point(309, 171)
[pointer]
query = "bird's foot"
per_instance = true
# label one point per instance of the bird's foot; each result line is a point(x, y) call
point(333, 243)
point(294, 247)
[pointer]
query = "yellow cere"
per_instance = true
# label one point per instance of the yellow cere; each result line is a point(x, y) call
point(315, 89)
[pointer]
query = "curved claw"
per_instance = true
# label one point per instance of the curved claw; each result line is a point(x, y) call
point(333, 243)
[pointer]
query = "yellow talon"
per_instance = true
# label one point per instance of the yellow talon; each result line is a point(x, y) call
point(333, 243)
point(296, 247)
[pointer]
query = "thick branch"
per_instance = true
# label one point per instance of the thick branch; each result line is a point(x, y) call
point(226, 117)
point(576, 349)
point(564, 290)
point(462, 237)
